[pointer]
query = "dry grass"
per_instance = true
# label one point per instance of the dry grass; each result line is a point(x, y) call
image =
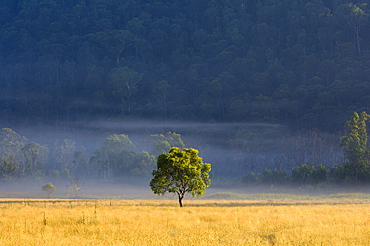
point(123, 222)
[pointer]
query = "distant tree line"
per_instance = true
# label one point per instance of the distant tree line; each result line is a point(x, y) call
point(302, 63)
point(233, 150)
point(263, 156)
point(117, 158)
point(354, 170)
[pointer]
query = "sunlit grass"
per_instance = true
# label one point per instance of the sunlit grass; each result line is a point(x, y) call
point(141, 222)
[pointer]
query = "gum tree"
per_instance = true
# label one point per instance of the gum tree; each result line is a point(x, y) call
point(76, 186)
point(181, 172)
point(356, 16)
point(355, 148)
point(48, 189)
point(162, 143)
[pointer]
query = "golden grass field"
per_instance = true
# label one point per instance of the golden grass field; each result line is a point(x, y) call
point(212, 222)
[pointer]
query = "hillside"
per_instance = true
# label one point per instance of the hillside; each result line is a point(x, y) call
point(299, 63)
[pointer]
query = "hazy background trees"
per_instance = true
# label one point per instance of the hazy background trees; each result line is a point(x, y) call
point(232, 149)
point(247, 153)
point(300, 67)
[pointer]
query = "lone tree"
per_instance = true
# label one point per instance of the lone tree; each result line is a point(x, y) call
point(48, 189)
point(181, 172)
point(76, 186)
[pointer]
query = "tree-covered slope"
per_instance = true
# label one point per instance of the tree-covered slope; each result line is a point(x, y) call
point(304, 63)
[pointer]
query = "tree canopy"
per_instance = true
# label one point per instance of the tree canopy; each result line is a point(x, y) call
point(181, 172)
point(355, 147)
point(48, 189)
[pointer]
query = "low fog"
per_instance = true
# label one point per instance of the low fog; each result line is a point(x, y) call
point(233, 150)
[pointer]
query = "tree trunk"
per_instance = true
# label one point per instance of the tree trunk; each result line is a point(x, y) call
point(180, 199)
point(358, 42)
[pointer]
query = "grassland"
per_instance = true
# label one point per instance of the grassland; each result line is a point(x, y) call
point(271, 220)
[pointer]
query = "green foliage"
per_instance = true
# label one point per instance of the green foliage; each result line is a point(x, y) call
point(320, 174)
point(337, 174)
point(35, 158)
point(8, 167)
point(181, 172)
point(305, 174)
point(48, 188)
point(356, 150)
point(10, 142)
point(162, 143)
point(310, 175)
point(161, 93)
point(276, 177)
point(118, 158)
point(125, 82)
point(302, 174)
point(116, 143)
point(142, 163)
point(249, 179)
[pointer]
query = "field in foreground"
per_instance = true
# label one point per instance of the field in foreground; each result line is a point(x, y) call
point(139, 222)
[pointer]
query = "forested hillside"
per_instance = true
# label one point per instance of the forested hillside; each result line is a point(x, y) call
point(295, 62)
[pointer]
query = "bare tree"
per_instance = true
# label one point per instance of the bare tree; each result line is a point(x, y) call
point(75, 186)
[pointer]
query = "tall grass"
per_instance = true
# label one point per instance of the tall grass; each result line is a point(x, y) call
point(122, 222)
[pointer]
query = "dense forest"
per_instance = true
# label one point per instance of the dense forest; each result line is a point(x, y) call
point(300, 63)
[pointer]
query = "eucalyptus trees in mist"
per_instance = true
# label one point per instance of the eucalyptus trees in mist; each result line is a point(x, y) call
point(233, 149)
